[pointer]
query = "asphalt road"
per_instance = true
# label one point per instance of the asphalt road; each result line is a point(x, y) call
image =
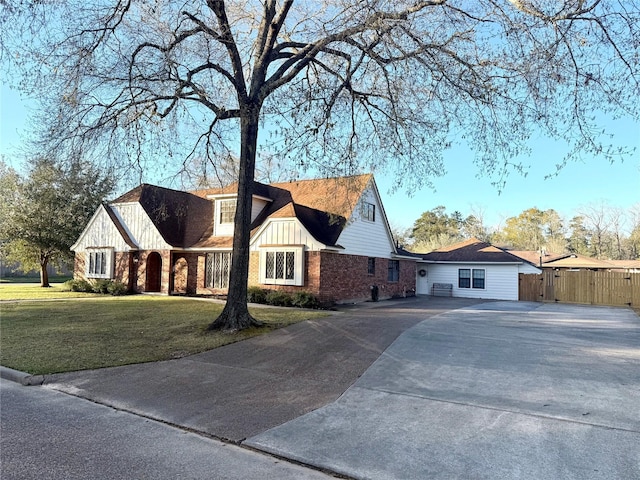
point(49, 435)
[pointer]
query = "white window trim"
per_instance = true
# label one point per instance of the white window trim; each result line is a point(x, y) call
point(90, 257)
point(298, 273)
point(471, 271)
point(227, 201)
point(365, 211)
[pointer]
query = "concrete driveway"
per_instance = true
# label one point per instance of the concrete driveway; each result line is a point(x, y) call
point(240, 390)
point(500, 390)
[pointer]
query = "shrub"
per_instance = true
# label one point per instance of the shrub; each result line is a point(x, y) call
point(101, 286)
point(305, 300)
point(116, 288)
point(68, 286)
point(256, 295)
point(80, 285)
point(278, 298)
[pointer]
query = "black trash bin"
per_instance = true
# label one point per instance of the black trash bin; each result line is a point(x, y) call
point(374, 293)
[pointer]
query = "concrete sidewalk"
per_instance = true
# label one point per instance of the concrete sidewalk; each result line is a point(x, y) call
point(501, 390)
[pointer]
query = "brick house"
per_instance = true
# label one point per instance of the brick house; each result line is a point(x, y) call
point(329, 237)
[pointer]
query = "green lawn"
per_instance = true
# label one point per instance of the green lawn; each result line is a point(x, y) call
point(33, 291)
point(52, 279)
point(67, 335)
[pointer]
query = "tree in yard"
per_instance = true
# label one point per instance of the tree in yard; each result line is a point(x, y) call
point(633, 242)
point(43, 214)
point(597, 220)
point(580, 237)
point(435, 228)
point(339, 85)
point(526, 231)
point(534, 229)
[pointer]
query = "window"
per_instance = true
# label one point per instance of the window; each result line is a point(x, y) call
point(371, 266)
point(394, 271)
point(478, 278)
point(282, 266)
point(217, 268)
point(464, 278)
point(369, 212)
point(99, 263)
point(468, 278)
point(227, 211)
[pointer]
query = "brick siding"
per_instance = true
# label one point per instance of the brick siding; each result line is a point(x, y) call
point(332, 277)
point(346, 278)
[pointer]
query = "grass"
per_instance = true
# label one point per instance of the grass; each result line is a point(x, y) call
point(31, 279)
point(33, 291)
point(68, 335)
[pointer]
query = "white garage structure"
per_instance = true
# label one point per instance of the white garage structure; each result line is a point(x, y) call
point(471, 269)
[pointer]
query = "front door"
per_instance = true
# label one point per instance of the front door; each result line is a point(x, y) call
point(422, 279)
point(154, 273)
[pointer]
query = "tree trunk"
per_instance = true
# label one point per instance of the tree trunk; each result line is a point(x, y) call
point(44, 275)
point(235, 315)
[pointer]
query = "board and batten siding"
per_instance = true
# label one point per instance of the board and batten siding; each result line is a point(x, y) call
point(101, 233)
point(362, 237)
point(139, 226)
point(285, 232)
point(501, 281)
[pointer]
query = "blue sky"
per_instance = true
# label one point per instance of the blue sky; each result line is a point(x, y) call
point(592, 180)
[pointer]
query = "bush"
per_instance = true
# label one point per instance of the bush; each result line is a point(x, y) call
point(80, 285)
point(101, 286)
point(97, 286)
point(117, 288)
point(256, 295)
point(280, 299)
point(305, 300)
point(68, 286)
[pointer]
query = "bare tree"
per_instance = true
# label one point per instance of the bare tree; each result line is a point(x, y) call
point(634, 232)
point(596, 219)
point(341, 85)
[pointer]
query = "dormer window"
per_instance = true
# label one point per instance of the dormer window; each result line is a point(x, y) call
point(227, 211)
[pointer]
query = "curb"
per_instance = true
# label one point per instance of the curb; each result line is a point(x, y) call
point(25, 379)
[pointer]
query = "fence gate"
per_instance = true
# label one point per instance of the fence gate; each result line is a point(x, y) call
point(530, 287)
point(593, 287)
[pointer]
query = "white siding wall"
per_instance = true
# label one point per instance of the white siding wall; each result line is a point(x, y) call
point(361, 237)
point(285, 232)
point(528, 268)
point(501, 281)
point(101, 232)
point(257, 205)
point(140, 227)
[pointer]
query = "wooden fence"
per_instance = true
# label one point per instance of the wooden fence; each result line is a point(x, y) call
point(592, 287)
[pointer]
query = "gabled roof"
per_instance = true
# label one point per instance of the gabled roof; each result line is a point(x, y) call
point(185, 219)
point(180, 217)
point(471, 251)
point(566, 260)
point(576, 261)
point(323, 206)
point(116, 221)
point(626, 264)
point(338, 196)
point(533, 256)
